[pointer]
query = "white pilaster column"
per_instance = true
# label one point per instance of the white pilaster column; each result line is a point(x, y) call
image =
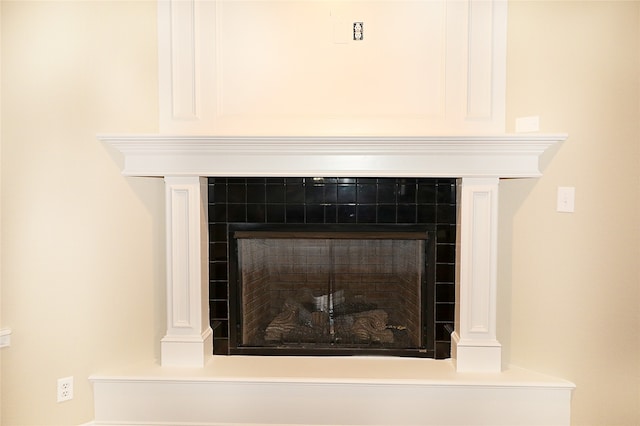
point(189, 339)
point(474, 346)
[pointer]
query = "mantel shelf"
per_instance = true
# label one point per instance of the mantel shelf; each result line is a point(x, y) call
point(503, 156)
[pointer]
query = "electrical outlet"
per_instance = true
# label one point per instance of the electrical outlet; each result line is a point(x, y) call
point(358, 30)
point(65, 389)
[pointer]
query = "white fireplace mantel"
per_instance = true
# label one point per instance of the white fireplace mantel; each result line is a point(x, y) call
point(474, 377)
point(478, 161)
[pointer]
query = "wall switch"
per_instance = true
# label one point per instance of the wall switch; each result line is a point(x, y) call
point(5, 338)
point(566, 199)
point(527, 124)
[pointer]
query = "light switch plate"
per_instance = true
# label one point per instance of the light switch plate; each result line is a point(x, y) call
point(566, 199)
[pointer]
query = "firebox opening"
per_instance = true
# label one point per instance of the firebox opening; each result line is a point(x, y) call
point(401, 204)
point(331, 289)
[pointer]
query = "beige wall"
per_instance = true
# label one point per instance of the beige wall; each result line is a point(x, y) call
point(575, 276)
point(82, 249)
point(0, 203)
point(82, 260)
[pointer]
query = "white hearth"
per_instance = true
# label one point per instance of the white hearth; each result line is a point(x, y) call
point(471, 387)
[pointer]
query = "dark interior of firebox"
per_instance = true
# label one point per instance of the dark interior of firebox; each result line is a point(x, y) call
point(325, 290)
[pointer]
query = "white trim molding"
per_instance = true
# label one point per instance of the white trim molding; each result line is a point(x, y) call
point(394, 391)
point(189, 338)
point(502, 156)
point(474, 344)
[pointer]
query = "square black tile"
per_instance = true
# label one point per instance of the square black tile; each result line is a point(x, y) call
point(331, 193)
point(218, 212)
point(237, 193)
point(219, 193)
point(427, 193)
point(314, 194)
point(445, 253)
point(218, 270)
point(445, 311)
point(275, 194)
point(218, 232)
point(346, 213)
point(275, 213)
point(347, 194)
point(256, 213)
point(367, 193)
point(294, 193)
point(237, 212)
point(446, 293)
point(256, 193)
point(426, 214)
point(314, 213)
point(406, 213)
point(218, 290)
point(294, 213)
point(367, 214)
point(218, 251)
point(445, 273)
point(386, 213)
point(406, 192)
point(387, 193)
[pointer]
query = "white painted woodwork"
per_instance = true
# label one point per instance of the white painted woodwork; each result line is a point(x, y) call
point(507, 156)
point(242, 390)
point(279, 88)
point(478, 162)
point(188, 341)
point(292, 67)
point(474, 343)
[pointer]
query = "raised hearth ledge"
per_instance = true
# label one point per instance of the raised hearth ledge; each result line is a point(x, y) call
point(241, 390)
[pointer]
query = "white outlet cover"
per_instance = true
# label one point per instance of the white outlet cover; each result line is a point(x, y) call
point(528, 124)
point(65, 389)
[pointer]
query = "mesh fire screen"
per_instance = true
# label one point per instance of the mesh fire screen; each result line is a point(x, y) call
point(315, 290)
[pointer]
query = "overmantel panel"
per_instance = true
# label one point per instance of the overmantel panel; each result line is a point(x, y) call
point(293, 67)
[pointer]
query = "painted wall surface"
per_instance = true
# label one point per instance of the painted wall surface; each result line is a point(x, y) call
point(82, 251)
point(82, 259)
point(574, 276)
point(0, 207)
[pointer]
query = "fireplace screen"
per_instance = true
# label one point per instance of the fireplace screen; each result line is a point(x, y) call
point(330, 291)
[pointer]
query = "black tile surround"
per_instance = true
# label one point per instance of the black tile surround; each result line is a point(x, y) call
point(420, 201)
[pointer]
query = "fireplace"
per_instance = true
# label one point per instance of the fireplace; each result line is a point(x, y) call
point(357, 388)
point(219, 119)
point(380, 250)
